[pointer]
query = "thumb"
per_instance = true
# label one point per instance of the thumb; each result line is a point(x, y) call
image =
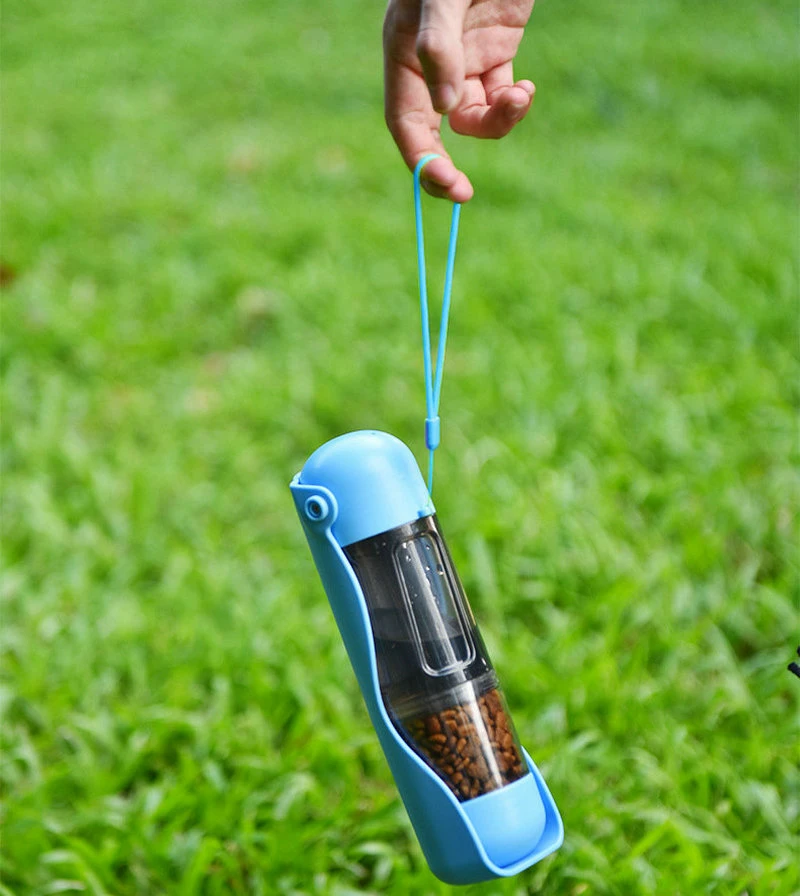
point(440, 48)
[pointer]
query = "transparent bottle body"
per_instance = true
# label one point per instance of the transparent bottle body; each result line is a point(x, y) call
point(435, 676)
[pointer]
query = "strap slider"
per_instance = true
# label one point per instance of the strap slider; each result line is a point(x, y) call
point(433, 433)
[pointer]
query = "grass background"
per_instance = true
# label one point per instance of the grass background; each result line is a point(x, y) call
point(207, 236)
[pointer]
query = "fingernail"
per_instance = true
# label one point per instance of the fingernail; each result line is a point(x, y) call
point(517, 110)
point(445, 98)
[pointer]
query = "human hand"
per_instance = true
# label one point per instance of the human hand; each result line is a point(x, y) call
point(452, 57)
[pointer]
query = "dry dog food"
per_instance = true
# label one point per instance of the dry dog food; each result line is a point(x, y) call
point(471, 745)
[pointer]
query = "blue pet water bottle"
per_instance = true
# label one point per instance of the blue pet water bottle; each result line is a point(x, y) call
point(478, 804)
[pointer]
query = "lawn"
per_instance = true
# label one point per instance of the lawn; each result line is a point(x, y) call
point(209, 271)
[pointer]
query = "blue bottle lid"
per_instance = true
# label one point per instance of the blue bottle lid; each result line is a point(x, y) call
point(375, 479)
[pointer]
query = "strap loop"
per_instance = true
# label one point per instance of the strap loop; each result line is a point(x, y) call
point(433, 381)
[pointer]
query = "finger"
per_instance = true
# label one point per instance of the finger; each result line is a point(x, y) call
point(501, 76)
point(442, 179)
point(494, 118)
point(440, 48)
point(439, 177)
point(415, 127)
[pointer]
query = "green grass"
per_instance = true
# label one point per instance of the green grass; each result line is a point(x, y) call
point(212, 240)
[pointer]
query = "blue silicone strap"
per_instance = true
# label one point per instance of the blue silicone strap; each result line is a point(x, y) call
point(433, 381)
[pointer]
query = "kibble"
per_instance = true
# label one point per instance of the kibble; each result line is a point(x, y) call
point(471, 745)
